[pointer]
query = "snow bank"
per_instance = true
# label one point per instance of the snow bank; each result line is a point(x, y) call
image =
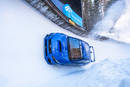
point(116, 22)
point(106, 73)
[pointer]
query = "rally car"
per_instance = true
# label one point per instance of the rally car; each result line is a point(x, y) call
point(65, 50)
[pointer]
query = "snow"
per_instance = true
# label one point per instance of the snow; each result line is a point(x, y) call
point(22, 64)
point(107, 73)
point(116, 22)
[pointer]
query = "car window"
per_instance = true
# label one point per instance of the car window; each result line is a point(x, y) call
point(74, 46)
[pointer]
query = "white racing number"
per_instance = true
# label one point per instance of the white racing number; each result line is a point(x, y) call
point(67, 8)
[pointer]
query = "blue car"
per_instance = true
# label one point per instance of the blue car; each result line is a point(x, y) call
point(66, 50)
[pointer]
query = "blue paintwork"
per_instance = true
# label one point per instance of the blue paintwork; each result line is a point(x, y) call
point(72, 15)
point(66, 10)
point(58, 4)
point(62, 57)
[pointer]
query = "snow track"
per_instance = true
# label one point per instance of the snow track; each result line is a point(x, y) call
point(22, 62)
point(115, 24)
point(106, 29)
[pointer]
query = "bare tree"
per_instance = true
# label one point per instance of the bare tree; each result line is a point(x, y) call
point(93, 11)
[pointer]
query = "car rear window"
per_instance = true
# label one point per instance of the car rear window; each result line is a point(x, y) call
point(74, 46)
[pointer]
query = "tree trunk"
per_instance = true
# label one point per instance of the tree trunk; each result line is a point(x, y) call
point(93, 11)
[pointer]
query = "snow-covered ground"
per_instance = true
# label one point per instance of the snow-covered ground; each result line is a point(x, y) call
point(22, 63)
point(116, 23)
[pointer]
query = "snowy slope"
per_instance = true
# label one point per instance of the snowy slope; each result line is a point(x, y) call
point(116, 22)
point(22, 63)
point(107, 73)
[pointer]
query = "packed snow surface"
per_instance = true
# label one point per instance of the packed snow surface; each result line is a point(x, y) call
point(22, 64)
point(116, 22)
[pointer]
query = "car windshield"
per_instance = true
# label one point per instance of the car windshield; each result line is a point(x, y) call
point(75, 5)
point(74, 46)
